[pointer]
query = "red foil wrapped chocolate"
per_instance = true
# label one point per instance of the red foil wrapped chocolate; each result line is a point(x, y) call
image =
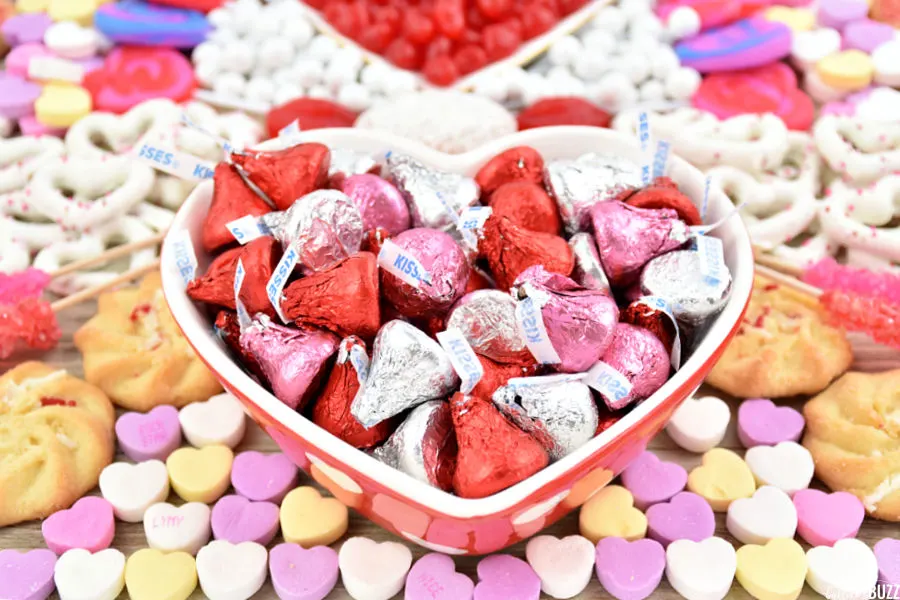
point(563, 110)
point(373, 239)
point(289, 174)
point(509, 250)
point(526, 205)
point(522, 163)
point(497, 375)
point(643, 315)
point(310, 113)
point(232, 199)
point(216, 286)
point(228, 329)
point(260, 257)
point(664, 193)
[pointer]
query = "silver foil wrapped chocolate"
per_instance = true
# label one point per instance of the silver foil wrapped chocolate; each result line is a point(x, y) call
point(588, 271)
point(407, 369)
point(487, 319)
point(679, 277)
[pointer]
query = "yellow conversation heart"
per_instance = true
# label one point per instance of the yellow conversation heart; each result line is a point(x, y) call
point(62, 104)
point(152, 575)
point(611, 513)
point(722, 478)
point(200, 475)
point(310, 520)
point(775, 571)
point(30, 6)
point(847, 70)
point(798, 19)
point(81, 11)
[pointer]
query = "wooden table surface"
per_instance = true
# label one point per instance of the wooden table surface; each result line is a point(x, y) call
point(130, 537)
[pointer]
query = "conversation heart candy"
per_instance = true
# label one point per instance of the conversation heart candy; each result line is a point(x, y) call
point(17, 96)
point(19, 59)
point(434, 577)
point(766, 515)
point(786, 465)
point(154, 435)
point(687, 516)
point(263, 477)
point(823, 518)
point(846, 570)
point(651, 480)
point(81, 11)
point(80, 575)
point(866, 35)
point(153, 575)
point(775, 571)
point(837, 13)
point(310, 520)
point(236, 519)
point(798, 19)
point(699, 424)
point(89, 524)
point(761, 423)
point(722, 478)
point(231, 571)
point(373, 571)
point(611, 513)
point(219, 420)
point(68, 39)
point(26, 575)
point(630, 570)
point(182, 528)
point(200, 475)
point(301, 574)
point(131, 489)
point(846, 70)
point(742, 45)
point(28, 28)
point(887, 552)
point(886, 62)
point(505, 577)
point(701, 570)
point(62, 104)
point(563, 565)
point(809, 47)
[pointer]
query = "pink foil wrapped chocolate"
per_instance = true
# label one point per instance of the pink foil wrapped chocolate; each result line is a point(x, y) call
point(379, 203)
point(487, 319)
point(564, 324)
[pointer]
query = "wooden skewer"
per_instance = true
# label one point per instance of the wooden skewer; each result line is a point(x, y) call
point(111, 254)
point(761, 258)
point(83, 295)
point(791, 282)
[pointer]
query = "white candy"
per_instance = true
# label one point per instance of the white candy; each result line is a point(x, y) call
point(767, 515)
point(615, 91)
point(70, 40)
point(809, 47)
point(260, 89)
point(565, 50)
point(590, 66)
point(348, 56)
point(207, 51)
point(599, 41)
point(636, 66)
point(339, 73)
point(220, 18)
point(132, 489)
point(663, 62)
point(610, 19)
point(373, 76)
point(701, 570)
point(231, 571)
point(319, 91)
point(354, 96)
point(399, 82)
point(634, 11)
point(308, 72)
point(699, 424)
point(286, 92)
point(265, 26)
point(207, 72)
point(683, 22)
point(886, 62)
point(373, 571)
point(275, 53)
point(536, 88)
point(183, 528)
point(787, 465)
point(563, 565)
point(682, 83)
point(651, 91)
point(219, 420)
point(647, 24)
point(239, 57)
point(299, 32)
point(321, 48)
point(848, 570)
point(80, 575)
point(495, 86)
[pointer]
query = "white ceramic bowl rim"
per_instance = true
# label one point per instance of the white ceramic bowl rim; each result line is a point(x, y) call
point(552, 142)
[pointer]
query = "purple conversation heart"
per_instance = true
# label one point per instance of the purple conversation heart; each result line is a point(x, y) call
point(761, 423)
point(630, 570)
point(823, 518)
point(17, 96)
point(887, 553)
point(89, 524)
point(651, 480)
point(263, 477)
point(236, 519)
point(434, 577)
point(505, 577)
point(837, 13)
point(687, 516)
point(151, 436)
point(866, 35)
point(300, 574)
point(27, 28)
point(26, 575)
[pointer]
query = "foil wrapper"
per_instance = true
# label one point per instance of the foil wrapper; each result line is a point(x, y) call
point(379, 202)
point(519, 164)
point(228, 328)
point(588, 271)
point(424, 446)
point(664, 193)
point(642, 314)
point(678, 278)
point(216, 286)
point(324, 227)
point(435, 198)
point(579, 184)
point(487, 319)
point(232, 199)
point(346, 163)
point(447, 269)
point(496, 375)
point(291, 360)
point(560, 414)
point(509, 250)
point(639, 356)
point(286, 175)
point(627, 238)
point(408, 368)
point(579, 322)
point(526, 205)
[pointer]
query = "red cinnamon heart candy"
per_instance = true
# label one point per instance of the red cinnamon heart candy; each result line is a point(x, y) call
point(232, 199)
point(562, 110)
point(259, 258)
point(216, 286)
point(509, 250)
point(310, 113)
point(522, 163)
point(285, 176)
point(526, 205)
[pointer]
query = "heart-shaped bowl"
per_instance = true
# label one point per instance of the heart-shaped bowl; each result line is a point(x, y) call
point(412, 509)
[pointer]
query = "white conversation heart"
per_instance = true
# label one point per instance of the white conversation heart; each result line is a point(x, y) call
point(219, 420)
point(882, 104)
point(68, 39)
point(177, 528)
point(80, 575)
point(886, 62)
point(701, 570)
point(131, 489)
point(373, 571)
point(787, 465)
point(564, 565)
point(767, 515)
point(699, 424)
point(809, 47)
point(231, 571)
point(848, 570)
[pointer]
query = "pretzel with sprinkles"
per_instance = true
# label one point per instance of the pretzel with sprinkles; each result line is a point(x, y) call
point(858, 150)
point(860, 219)
point(13, 255)
point(20, 157)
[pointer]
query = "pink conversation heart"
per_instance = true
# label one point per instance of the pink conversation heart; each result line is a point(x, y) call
point(89, 524)
point(837, 13)
point(154, 435)
point(505, 577)
point(761, 423)
point(31, 126)
point(866, 35)
point(18, 59)
point(823, 519)
point(887, 553)
point(630, 570)
point(26, 575)
point(687, 516)
point(28, 28)
point(17, 96)
point(434, 577)
point(300, 574)
point(651, 480)
point(236, 519)
point(263, 477)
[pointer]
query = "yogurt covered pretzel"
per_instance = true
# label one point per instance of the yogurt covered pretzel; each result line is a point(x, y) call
point(20, 157)
point(860, 220)
point(858, 150)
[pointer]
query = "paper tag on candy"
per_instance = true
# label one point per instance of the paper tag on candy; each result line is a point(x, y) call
point(50, 68)
point(644, 137)
point(660, 304)
point(185, 258)
point(609, 382)
point(360, 362)
point(473, 218)
point(660, 159)
point(292, 129)
point(532, 328)
point(232, 102)
point(524, 382)
point(247, 228)
point(712, 258)
point(279, 278)
point(219, 140)
point(705, 204)
point(398, 262)
point(173, 162)
point(464, 360)
point(242, 314)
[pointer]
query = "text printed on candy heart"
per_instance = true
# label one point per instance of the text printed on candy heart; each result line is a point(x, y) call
point(166, 522)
